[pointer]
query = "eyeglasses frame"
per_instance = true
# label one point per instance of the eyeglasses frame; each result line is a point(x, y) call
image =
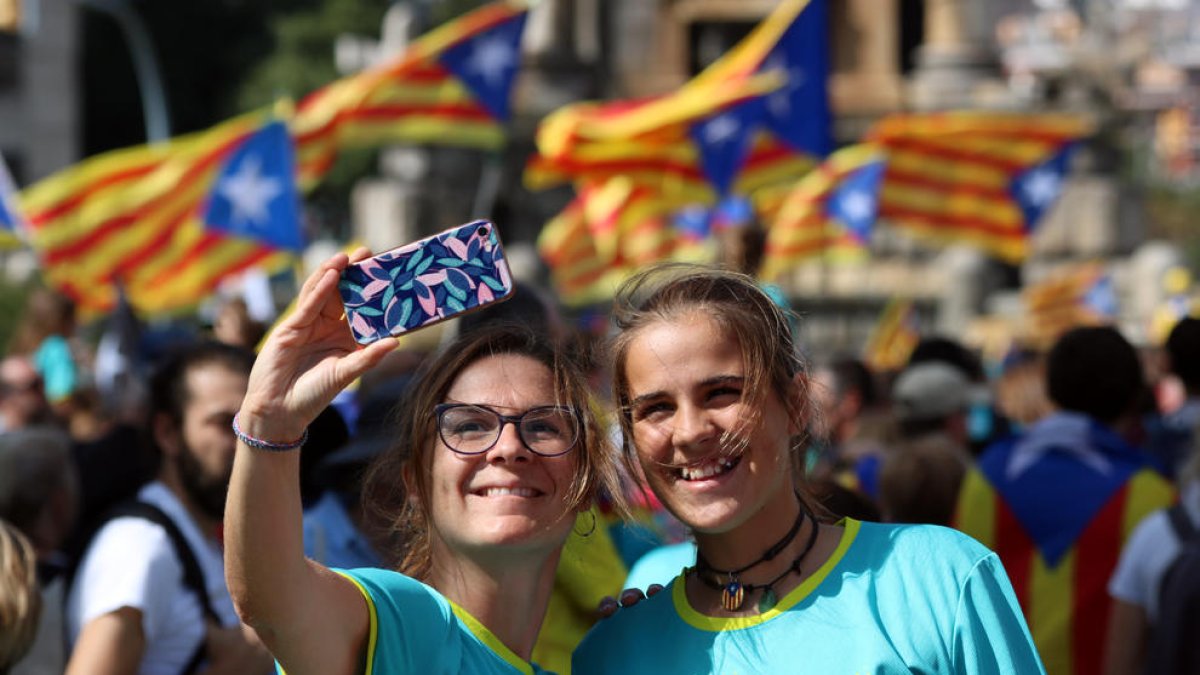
point(440, 409)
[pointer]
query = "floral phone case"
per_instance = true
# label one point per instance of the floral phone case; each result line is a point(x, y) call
point(427, 281)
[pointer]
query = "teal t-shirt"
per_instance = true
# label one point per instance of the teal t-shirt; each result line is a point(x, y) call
point(661, 565)
point(56, 365)
point(891, 599)
point(415, 629)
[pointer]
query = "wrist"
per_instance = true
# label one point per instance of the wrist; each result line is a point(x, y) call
point(269, 432)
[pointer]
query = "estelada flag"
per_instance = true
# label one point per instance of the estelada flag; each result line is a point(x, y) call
point(1082, 295)
point(730, 130)
point(135, 216)
point(983, 178)
point(452, 86)
point(1057, 504)
point(830, 213)
point(894, 337)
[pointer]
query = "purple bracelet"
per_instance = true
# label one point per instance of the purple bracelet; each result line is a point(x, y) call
point(260, 444)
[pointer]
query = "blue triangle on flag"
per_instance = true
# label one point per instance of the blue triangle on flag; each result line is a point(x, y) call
point(1037, 188)
point(1101, 298)
point(855, 201)
point(693, 222)
point(488, 62)
point(254, 196)
point(798, 112)
point(8, 221)
point(725, 139)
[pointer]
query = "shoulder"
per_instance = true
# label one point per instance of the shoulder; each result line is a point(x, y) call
point(392, 594)
point(920, 544)
point(660, 565)
point(651, 616)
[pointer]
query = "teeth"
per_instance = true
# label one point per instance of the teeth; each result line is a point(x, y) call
point(707, 470)
point(515, 491)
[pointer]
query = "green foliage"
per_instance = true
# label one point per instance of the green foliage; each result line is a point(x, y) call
point(302, 58)
point(12, 306)
point(1172, 216)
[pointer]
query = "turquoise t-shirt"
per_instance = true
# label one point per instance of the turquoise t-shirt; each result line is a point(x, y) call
point(661, 565)
point(415, 629)
point(891, 599)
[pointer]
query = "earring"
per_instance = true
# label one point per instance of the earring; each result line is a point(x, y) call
point(590, 529)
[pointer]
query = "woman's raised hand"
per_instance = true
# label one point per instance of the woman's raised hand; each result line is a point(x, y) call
point(308, 358)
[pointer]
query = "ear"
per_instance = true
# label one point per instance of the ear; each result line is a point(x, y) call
point(166, 434)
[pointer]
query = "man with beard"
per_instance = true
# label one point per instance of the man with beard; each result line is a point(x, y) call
point(149, 595)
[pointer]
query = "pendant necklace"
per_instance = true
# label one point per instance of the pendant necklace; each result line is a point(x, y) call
point(733, 591)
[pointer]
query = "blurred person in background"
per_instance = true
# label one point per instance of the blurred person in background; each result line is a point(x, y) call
point(846, 393)
point(20, 599)
point(39, 496)
point(22, 397)
point(1137, 587)
point(1021, 397)
point(149, 595)
point(233, 325)
point(1170, 436)
point(1054, 501)
point(44, 334)
point(920, 479)
point(983, 425)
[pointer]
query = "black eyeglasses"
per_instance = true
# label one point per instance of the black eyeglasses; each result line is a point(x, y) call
point(469, 429)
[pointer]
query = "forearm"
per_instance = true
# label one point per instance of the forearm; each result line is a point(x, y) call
point(265, 568)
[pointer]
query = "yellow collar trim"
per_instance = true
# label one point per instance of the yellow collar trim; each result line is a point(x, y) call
point(713, 623)
point(489, 639)
point(373, 632)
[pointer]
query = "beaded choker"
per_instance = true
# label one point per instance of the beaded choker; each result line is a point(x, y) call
point(734, 592)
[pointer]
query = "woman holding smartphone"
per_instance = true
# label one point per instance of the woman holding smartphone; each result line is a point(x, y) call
point(713, 402)
point(498, 452)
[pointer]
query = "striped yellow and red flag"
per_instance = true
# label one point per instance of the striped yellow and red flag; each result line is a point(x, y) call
point(606, 232)
point(829, 213)
point(1082, 295)
point(450, 87)
point(133, 215)
point(894, 337)
point(983, 178)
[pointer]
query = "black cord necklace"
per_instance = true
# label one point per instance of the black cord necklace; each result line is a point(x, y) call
point(734, 592)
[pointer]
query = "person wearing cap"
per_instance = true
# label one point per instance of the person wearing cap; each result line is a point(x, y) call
point(1058, 501)
point(932, 398)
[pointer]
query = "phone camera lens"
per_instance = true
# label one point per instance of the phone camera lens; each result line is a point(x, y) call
point(482, 231)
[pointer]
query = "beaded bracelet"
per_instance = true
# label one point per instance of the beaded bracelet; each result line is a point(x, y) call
point(260, 444)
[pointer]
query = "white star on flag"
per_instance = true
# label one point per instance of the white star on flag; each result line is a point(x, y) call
point(492, 57)
point(858, 205)
point(780, 101)
point(250, 193)
point(721, 129)
point(1042, 186)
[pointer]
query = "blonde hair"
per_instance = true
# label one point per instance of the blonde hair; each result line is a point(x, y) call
point(20, 596)
point(736, 304)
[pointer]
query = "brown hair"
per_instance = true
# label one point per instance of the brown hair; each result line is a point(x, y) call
point(741, 309)
point(408, 456)
point(919, 480)
point(20, 596)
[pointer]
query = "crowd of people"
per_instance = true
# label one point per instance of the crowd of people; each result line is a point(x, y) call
point(311, 504)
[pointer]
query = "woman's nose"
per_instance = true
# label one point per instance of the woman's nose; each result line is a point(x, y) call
point(509, 447)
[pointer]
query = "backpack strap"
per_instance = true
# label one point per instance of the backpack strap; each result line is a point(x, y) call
point(1182, 523)
point(193, 577)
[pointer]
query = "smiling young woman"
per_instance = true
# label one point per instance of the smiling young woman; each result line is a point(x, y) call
point(497, 451)
point(713, 401)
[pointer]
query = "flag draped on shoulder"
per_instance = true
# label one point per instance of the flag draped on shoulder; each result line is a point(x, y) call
point(452, 86)
point(830, 212)
point(894, 337)
point(984, 178)
point(1057, 504)
point(137, 216)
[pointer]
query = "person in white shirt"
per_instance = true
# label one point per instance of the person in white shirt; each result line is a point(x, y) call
point(130, 609)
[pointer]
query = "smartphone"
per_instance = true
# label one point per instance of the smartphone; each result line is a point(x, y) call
point(419, 284)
